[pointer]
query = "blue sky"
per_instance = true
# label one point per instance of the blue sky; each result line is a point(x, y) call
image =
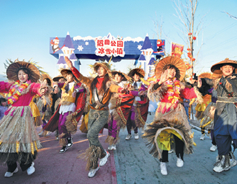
point(26, 27)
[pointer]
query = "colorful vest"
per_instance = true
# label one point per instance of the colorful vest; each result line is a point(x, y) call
point(67, 97)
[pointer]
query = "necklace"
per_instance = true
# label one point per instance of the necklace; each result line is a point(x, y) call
point(16, 90)
point(173, 90)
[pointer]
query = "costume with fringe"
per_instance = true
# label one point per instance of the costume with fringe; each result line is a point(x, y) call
point(35, 111)
point(19, 140)
point(139, 111)
point(170, 118)
point(69, 111)
point(98, 114)
point(225, 118)
point(120, 107)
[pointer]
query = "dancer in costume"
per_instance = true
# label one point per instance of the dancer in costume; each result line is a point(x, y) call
point(225, 118)
point(170, 127)
point(56, 97)
point(101, 89)
point(138, 114)
point(46, 101)
point(70, 110)
point(35, 111)
point(18, 138)
point(3, 106)
point(120, 106)
point(208, 118)
point(200, 108)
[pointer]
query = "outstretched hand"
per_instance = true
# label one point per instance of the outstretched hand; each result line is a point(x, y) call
point(163, 77)
point(69, 62)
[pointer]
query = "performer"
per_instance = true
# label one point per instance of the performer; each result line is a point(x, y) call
point(46, 101)
point(208, 118)
point(138, 115)
point(18, 138)
point(120, 106)
point(56, 97)
point(225, 118)
point(3, 106)
point(70, 110)
point(35, 111)
point(200, 108)
point(101, 89)
point(170, 127)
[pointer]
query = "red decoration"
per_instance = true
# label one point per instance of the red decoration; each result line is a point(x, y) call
point(189, 34)
point(193, 59)
point(194, 38)
point(188, 49)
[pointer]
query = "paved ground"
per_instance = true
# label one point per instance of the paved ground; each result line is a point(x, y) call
point(129, 164)
point(55, 168)
point(137, 166)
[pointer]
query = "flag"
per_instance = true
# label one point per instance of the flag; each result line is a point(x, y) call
point(176, 49)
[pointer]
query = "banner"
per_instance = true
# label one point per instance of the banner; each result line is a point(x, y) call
point(109, 46)
point(176, 49)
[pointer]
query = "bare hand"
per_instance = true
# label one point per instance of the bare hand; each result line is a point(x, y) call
point(69, 62)
point(199, 82)
point(163, 77)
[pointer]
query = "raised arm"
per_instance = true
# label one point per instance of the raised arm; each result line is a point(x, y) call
point(77, 74)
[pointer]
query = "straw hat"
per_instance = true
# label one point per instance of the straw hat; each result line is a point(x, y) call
point(171, 60)
point(104, 65)
point(140, 71)
point(205, 75)
point(57, 78)
point(125, 76)
point(216, 76)
point(12, 71)
point(216, 67)
point(46, 76)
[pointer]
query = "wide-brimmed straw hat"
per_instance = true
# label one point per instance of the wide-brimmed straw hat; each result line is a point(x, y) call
point(139, 71)
point(171, 60)
point(12, 71)
point(216, 67)
point(104, 65)
point(205, 75)
point(46, 76)
point(57, 78)
point(125, 76)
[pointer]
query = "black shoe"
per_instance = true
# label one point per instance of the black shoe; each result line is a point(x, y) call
point(63, 149)
point(69, 142)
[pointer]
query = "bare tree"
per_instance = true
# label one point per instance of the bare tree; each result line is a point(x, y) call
point(231, 16)
point(186, 13)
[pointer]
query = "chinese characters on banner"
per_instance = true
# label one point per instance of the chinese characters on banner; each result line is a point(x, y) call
point(109, 46)
point(176, 50)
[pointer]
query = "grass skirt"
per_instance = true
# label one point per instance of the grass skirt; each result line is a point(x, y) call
point(19, 140)
point(159, 132)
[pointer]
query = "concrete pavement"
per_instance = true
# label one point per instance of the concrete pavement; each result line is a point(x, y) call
point(131, 163)
point(65, 168)
point(137, 166)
